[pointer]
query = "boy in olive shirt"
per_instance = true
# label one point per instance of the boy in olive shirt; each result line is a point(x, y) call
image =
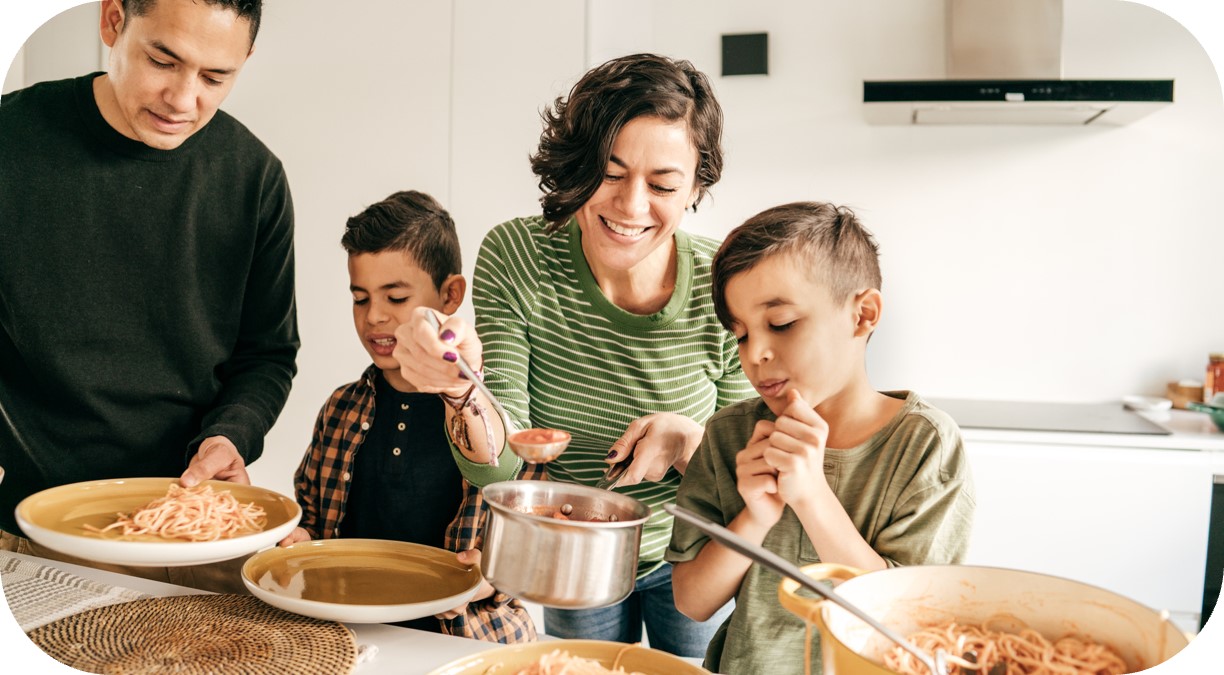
point(821, 467)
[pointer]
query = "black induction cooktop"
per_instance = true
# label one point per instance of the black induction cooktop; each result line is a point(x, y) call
point(1096, 418)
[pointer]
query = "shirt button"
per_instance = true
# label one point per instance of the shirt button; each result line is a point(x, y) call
point(347, 476)
point(365, 426)
point(400, 426)
point(396, 452)
point(403, 406)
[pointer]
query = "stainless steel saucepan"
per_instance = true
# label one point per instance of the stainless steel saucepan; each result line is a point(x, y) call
point(586, 559)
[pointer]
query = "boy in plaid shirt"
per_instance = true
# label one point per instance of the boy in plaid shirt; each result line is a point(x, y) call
point(392, 475)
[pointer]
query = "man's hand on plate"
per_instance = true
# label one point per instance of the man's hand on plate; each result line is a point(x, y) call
point(217, 459)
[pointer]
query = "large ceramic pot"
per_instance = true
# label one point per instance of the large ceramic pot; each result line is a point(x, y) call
point(589, 560)
point(907, 599)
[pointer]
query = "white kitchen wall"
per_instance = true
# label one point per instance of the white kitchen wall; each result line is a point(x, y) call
point(1029, 263)
point(1024, 263)
point(47, 55)
point(15, 77)
point(1020, 263)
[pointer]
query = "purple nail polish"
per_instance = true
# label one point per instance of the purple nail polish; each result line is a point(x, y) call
point(611, 455)
point(447, 335)
point(462, 376)
point(451, 356)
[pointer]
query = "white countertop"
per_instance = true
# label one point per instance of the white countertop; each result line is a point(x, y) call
point(1188, 430)
point(403, 651)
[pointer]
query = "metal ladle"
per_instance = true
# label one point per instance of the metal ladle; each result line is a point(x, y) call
point(937, 665)
point(532, 452)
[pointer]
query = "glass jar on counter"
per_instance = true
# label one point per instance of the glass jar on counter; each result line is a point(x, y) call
point(1213, 381)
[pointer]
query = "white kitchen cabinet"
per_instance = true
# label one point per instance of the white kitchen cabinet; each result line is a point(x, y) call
point(1132, 520)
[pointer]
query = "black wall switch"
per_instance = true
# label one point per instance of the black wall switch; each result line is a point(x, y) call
point(745, 54)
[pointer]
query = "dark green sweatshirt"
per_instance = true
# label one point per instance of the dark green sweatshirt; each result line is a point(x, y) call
point(146, 296)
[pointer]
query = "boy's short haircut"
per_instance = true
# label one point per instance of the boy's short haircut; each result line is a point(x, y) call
point(843, 255)
point(411, 222)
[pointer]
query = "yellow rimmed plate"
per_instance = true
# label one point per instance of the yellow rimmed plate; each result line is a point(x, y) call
point(630, 658)
point(56, 517)
point(360, 580)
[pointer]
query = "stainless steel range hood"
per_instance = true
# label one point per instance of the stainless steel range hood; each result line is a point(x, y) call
point(1004, 66)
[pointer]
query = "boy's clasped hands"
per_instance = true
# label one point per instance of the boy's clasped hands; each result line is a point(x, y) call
point(783, 461)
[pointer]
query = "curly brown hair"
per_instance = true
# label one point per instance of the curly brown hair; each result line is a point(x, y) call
point(579, 130)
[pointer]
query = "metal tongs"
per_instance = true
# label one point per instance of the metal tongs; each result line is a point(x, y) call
point(613, 475)
point(938, 665)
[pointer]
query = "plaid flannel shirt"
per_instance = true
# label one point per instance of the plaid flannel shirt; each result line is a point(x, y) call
point(322, 482)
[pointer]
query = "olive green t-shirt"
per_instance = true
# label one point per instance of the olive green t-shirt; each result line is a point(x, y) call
point(907, 489)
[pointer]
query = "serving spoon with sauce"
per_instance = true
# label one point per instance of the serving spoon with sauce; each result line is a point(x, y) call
point(535, 446)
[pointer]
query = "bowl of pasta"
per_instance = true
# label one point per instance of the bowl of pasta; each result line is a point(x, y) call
point(987, 619)
point(571, 657)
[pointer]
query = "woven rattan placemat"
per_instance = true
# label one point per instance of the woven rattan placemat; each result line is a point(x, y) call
point(198, 634)
point(38, 594)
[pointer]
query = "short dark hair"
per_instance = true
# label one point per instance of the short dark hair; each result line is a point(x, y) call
point(408, 221)
point(579, 131)
point(842, 254)
point(250, 10)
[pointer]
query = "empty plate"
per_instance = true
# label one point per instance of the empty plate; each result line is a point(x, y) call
point(360, 580)
point(56, 518)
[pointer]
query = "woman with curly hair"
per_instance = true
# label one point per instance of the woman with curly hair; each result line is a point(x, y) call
point(596, 318)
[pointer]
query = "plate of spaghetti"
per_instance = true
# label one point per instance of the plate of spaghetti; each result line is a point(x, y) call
point(156, 522)
point(571, 657)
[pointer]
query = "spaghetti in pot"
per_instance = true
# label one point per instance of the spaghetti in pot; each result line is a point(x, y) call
point(980, 649)
point(192, 514)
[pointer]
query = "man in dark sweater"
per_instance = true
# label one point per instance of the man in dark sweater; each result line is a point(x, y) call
point(147, 317)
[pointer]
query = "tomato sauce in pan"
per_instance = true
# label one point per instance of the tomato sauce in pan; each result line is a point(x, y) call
point(564, 512)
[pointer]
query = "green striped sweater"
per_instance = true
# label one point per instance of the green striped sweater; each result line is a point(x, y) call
point(591, 368)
